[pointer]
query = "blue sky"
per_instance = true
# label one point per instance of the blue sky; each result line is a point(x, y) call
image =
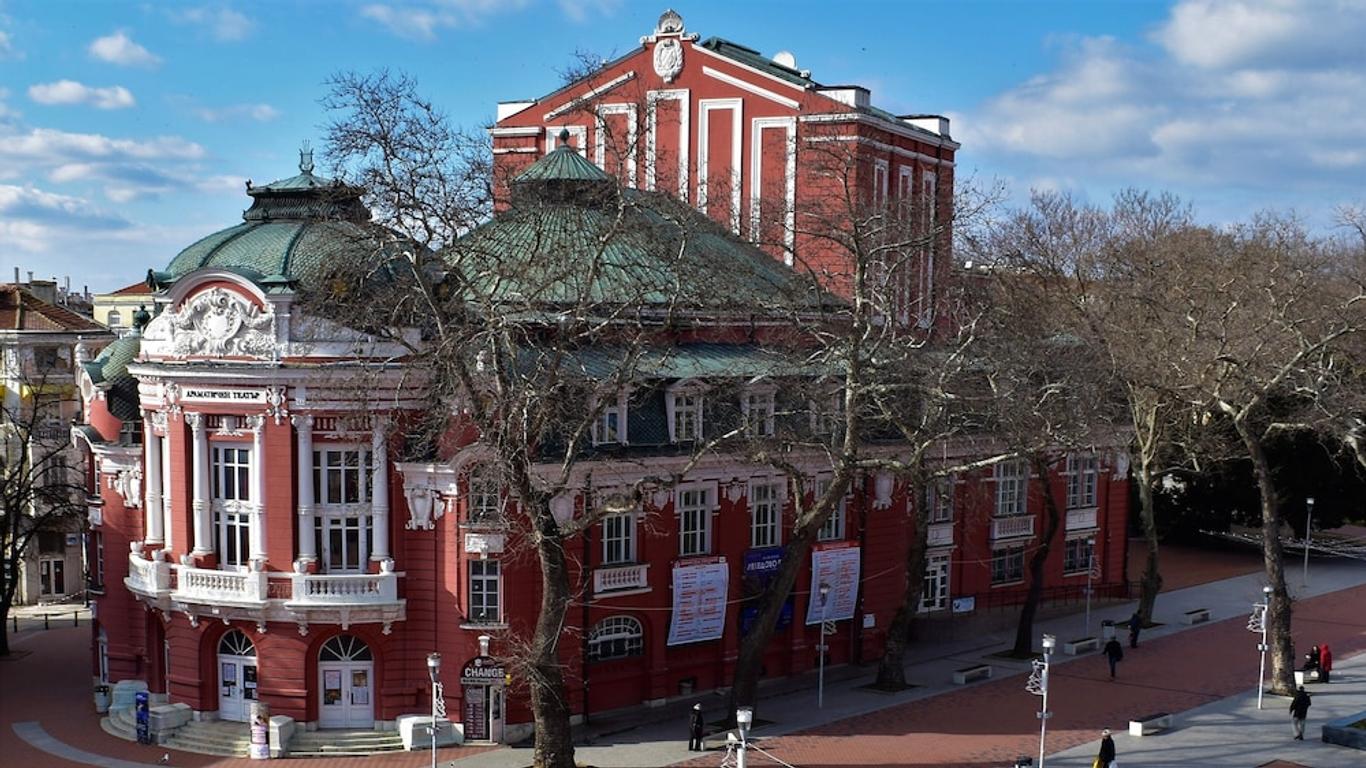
point(128, 128)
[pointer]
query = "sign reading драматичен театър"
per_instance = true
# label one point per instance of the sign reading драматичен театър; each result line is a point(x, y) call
point(218, 395)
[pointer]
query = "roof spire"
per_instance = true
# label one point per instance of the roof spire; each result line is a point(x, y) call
point(564, 137)
point(306, 157)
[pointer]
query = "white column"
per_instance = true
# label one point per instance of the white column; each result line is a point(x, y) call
point(379, 489)
point(203, 524)
point(167, 508)
point(151, 507)
point(257, 528)
point(303, 426)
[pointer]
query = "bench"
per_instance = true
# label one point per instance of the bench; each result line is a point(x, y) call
point(1142, 726)
point(1081, 645)
point(968, 674)
point(1197, 616)
point(1303, 676)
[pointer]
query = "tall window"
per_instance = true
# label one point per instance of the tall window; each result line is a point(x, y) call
point(765, 511)
point(231, 480)
point(685, 415)
point(610, 426)
point(1007, 565)
point(113, 319)
point(1077, 554)
point(694, 522)
point(939, 500)
point(1082, 475)
point(758, 409)
point(929, 209)
point(827, 413)
point(833, 529)
point(343, 525)
point(341, 476)
point(231, 473)
point(1012, 481)
point(935, 592)
point(616, 637)
point(619, 539)
point(97, 568)
point(880, 183)
point(485, 499)
point(485, 592)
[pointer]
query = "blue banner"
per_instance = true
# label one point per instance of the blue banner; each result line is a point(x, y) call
point(760, 566)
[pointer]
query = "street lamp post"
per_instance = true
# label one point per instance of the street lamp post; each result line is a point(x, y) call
point(1257, 623)
point(1308, 523)
point(1090, 574)
point(1049, 642)
point(438, 702)
point(820, 679)
point(744, 716)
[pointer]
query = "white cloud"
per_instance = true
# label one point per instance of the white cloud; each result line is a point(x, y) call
point(6, 47)
point(579, 11)
point(120, 49)
point(72, 92)
point(225, 24)
point(262, 113)
point(32, 219)
point(422, 21)
point(1264, 33)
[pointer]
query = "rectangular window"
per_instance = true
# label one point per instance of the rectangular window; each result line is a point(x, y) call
point(939, 500)
point(686, 421)
point(833, 529)
point(929, 210)
point(341, 476)
point(1077, 554)
point(879, 183)
point(1007, 565)
point(619, 539)
point(485, 592)
point(343, 542)
point(1012, 484)
point(485, 505)
point(827, 414)
point(97, 544)
point(231, 473)
point(935, 592)
point(758, 409)
point(607, 429)
point(1082, 475)
point(694, 522)
point(765, 512)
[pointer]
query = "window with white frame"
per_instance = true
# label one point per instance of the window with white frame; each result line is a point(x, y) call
point(342, 524)
point(616, 637)
point(765, 514)
point(685, 413)
point(230, 475)
point(485, 592)
point(930, 213)
point(113, 319)
point(1077, 554)
point(833, 529)
point(619, 539)
point(827, 413)
point(758, 409)
point(1007, 565)
point(1012, 484)
point(939, 500)
point(1082, 476)
point(694, 521)
point(935, 591)
point(341, 475)
point(610, 425)
point(880, 174)
point(485, 503)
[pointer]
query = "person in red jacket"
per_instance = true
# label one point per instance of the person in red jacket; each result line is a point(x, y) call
point(1325, 662)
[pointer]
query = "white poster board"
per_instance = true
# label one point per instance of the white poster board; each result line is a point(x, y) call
point(699, 603)
point(838, 568)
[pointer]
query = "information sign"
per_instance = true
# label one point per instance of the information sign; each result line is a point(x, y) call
point(838, 568)
point(699, 602)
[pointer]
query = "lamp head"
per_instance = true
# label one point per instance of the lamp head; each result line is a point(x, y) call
point(1309, 502)
point(1049, 643)
point(824, 590)
point(433, 665)
point(1266, 590)
point(744, 717)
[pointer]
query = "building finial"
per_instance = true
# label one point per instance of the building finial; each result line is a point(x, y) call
point(306, 157)
point(564, 137)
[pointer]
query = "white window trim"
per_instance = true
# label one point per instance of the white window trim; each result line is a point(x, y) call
point(882, 172)
point(824, 414)
point(578, 133)
point(940, 488)
point(992, 565)
point(1081, 571)
point(600, 147)
point(709, 492)
point(366, 469)
point(766, 394)
point(1077, 473)
point(839, 516)
point(469, 592)
point(705, 107)
point(757, 126)
point(652, 137)
point(1022, 495)
point(779, 502)
point(631, 539)
point(599, 422)
point(930, 184)
point(687, 388)
point(942, 602)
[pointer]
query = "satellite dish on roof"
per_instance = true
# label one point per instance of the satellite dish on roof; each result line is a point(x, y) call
point(785, 59)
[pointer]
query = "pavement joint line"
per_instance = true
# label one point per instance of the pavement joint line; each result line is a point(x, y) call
point(32, 732)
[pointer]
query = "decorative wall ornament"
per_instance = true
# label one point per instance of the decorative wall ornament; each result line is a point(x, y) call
point(423, 507)
point(483, 544)
point(170, 395)
point(882, 489)
point(220, 322)
point(562, 508)
point(159, 419)
point(255, 423)
point(128, 484)
point(1121, 465)
point(275, 403)
point(668, 59)
point(734, 490)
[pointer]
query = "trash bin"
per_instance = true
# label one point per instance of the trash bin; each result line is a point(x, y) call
point(142, 708)
point(260, 731)
point(1107, 630)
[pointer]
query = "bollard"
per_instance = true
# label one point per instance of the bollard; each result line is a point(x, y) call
point(75, 618)
point(45, 624)
point(16, 623)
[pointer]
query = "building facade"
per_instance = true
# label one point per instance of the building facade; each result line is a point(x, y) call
point(263, 541)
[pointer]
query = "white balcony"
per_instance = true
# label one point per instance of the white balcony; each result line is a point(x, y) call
point(343, 589)
point(1081, 519)
point(621, 578)
point(149, 578)
point(940, 534)
point(212, 587)
point(1014, 527)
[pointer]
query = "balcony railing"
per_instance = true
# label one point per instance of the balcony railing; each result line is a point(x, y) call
point(205, 585)
point(620, 578)
point(344, 588)
point(1081, 519)
point(940, 534)
point(147, 577)
point(1012, 527)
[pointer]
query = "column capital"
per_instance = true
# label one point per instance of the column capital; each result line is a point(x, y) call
point(255, 423)
point(196, 422)
point(302, 422)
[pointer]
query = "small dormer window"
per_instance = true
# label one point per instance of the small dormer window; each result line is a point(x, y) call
point(758, 409)
point(609, 427)
point(827, 413)
point(685, 412)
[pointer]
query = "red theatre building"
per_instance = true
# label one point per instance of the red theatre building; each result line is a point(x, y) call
point(261, 542)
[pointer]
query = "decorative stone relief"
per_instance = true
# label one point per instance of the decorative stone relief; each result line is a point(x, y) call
point(128, 484)
point(423, 507)
point(562, 508)
point(220, 322)
point(159, 420)
point(275, 403)
point(483, 544)
point(668, 59)
point(170, 395)
point(882, 489)
point(1121, 465)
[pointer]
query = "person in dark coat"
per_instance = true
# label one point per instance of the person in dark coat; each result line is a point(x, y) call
point(1135, 624)
point(1107, 749)
point(1114, 653)
point(1299, 711)
point(1311, 659)
point(695, 726)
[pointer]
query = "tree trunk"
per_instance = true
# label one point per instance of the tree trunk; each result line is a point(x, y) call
point(4, 626)
point(1278, 610)
point(549, 696)
point(1024, 632)
point(891, 668)
point(1152, 576)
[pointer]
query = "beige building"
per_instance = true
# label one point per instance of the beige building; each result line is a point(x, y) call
point(115, 310)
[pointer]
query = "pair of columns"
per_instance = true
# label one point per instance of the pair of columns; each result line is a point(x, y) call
point(157, 499)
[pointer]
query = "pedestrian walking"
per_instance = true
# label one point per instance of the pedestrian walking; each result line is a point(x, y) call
point(1114, 653)
point(695, 726)
point(1325, 662)
point(1106, 758)
point(1135, 624)
point(1299, 710)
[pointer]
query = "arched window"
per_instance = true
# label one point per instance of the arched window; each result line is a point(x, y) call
point(113, 319)
point(235, 643)
point(345, 648)
point(616, 637)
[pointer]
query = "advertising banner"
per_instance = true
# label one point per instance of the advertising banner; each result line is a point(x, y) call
point(699, 602)
point(838, 568)
point(761, 565)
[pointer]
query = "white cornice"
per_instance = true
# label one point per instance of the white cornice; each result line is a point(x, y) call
point(875, 144)
point(748, 68)
point(750, 87)
point(886, 125)
point(589, 95)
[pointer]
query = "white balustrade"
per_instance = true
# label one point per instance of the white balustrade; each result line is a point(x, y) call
point(621, 578)
point(1012, 527)
point(205, 585)
point(940, 534)
point(1081, 519)
point(344, 588)
point(147, 577)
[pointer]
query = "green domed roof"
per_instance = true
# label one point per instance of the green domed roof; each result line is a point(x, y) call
point(294, 228)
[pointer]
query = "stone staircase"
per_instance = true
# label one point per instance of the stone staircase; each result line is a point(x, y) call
point(208, 737)
point(343, 743)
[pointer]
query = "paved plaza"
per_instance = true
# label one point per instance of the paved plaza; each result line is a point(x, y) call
point(1205, 674)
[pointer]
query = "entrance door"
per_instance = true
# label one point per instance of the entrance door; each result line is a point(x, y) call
point(935, 595)
point(52, 577)
point(483, 715)
point(236, 676)
point(346, 684)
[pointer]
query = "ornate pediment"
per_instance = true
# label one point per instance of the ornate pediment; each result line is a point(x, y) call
point(219, 322)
